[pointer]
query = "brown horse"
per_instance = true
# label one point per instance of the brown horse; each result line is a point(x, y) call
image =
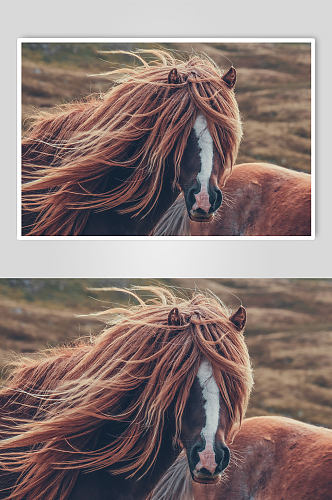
point(259, 199)
point(274, 458)
point(113, 164)
point(104, 419)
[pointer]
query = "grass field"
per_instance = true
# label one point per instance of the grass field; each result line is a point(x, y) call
point(273, 89)
point(289, 331)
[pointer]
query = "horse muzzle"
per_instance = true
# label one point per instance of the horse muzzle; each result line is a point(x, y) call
point(205, 478)
point(202, 205)
point(199, 215)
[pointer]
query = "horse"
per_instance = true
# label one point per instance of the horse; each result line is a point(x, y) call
point(114, 163)
point(106, 417)
point(259, 199)
point(274, 458)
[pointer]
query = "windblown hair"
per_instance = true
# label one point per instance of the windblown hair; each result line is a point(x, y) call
point(175, 221)
point(71, 156)
point(54, 408)
point(176, 483)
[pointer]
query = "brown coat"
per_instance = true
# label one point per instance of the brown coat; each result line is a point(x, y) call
point(262, 200)
point(275, 458)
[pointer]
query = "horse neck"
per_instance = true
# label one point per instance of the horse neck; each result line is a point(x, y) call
point(167, 454)
point(167, 197)
point(102, 484)
point(110, 222)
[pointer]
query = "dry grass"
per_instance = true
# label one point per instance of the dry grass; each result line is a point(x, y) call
point(273, 89)
point(289, 332)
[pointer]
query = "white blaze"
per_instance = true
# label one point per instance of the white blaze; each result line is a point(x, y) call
point(205, 144)
point(210, 392)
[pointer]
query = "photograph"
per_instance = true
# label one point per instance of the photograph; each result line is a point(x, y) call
point(179, 138)
point(165, 389)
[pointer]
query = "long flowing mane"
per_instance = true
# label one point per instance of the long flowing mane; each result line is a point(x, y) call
point(175, 221)
point(54, 407)
point(72, 155)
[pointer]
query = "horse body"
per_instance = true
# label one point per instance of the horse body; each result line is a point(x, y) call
point(103, 486)
point(272, 458)
point(276, 458)
point(262, 200)
point(259, 199)
point(106, 419)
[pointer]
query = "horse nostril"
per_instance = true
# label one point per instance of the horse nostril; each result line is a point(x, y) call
point(190, 195)
point(194, 452)
point(223, 459)
point(217, 200)
point(206, 472)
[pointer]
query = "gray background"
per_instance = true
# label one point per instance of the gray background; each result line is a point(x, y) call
point(166, 258)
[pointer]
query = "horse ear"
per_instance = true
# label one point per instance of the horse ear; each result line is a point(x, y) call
point(175, 318)
point(239, 318)
point(230, 77)
point(174, 77)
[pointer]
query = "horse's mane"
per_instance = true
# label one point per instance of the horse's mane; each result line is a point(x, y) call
point(54, 407)
point(71, 154)
point(176, 483)
point(175, 221)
